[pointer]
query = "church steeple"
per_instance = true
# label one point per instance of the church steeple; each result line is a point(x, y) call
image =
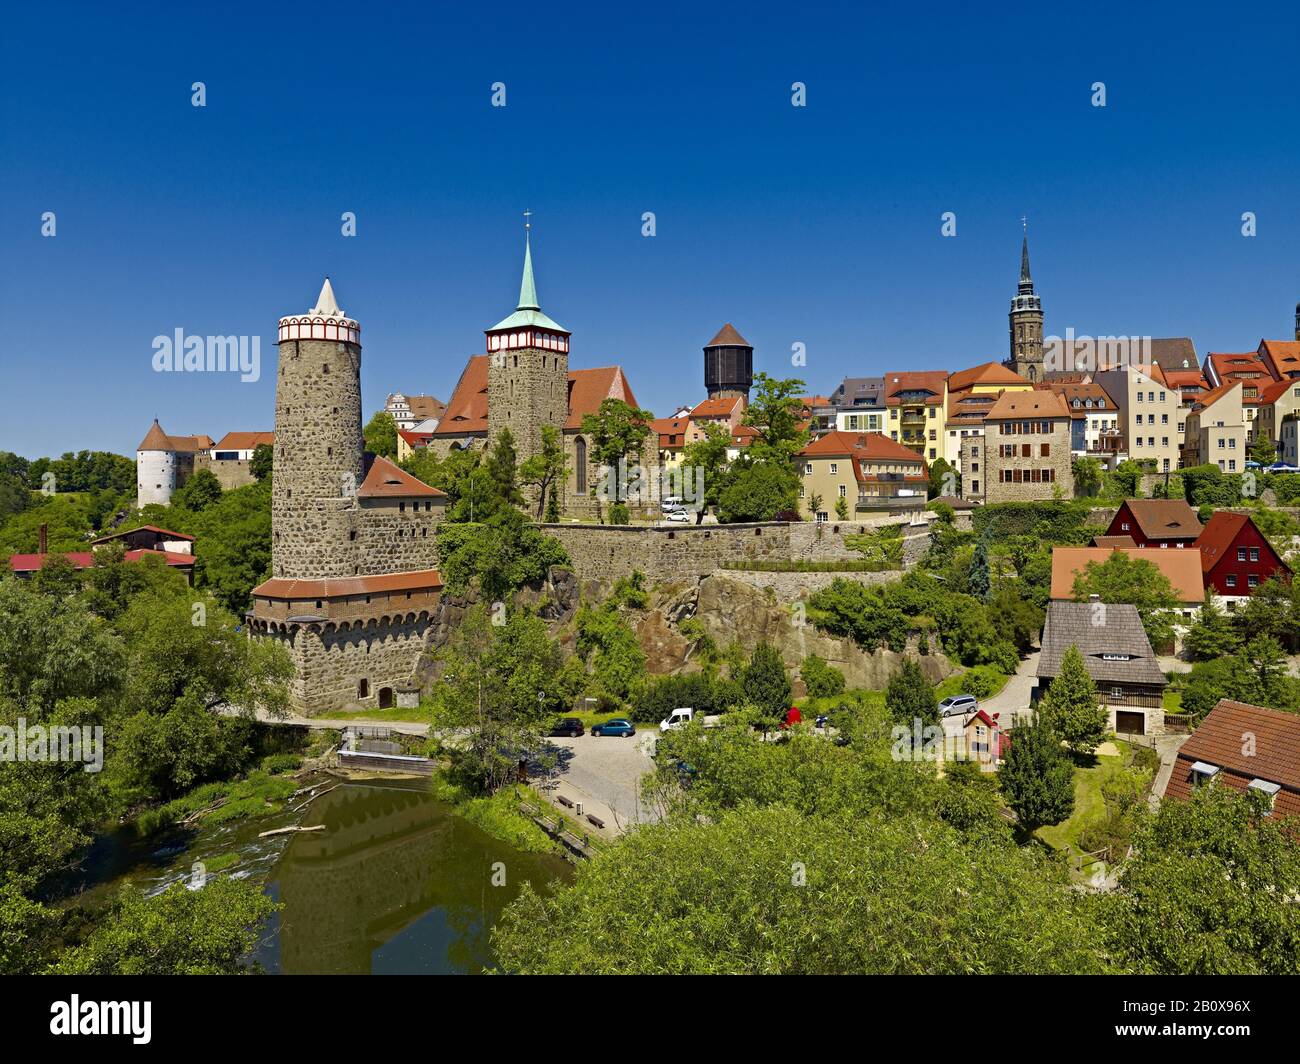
point(528, 287)
point(1026, 321)
point(1026, 282)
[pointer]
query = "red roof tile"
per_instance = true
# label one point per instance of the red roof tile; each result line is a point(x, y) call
point(280, 588)
point(386, 480)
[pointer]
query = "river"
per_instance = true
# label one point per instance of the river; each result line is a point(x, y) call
point(397, 883)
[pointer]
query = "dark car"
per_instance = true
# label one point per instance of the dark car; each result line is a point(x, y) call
point(570, 726)
point(617, 726)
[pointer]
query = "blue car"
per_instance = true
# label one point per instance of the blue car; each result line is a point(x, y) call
point(618, 726)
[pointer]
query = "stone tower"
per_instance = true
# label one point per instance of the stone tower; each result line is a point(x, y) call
point(1297, 322)
point(1026, 324)
point(318, 443)
point(528, 369)
point(728, 365)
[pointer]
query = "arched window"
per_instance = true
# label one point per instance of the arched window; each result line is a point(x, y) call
point(580, 460)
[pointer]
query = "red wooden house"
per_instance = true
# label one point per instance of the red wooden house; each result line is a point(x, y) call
point(1156, 523)
point(1235, 556)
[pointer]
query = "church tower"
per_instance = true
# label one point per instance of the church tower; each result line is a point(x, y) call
point(1297, 322)
point(318, 442)
point(528, 369)
point(1026, 323)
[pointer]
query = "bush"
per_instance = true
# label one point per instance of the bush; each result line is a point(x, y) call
point(618, 514)
point(277, 763)
point(821, 680)
point(660, 695)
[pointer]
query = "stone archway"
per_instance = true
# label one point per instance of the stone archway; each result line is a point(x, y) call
point(386, 698)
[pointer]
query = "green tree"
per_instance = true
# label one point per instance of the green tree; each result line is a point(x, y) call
point(1087, 476)
point(842, 508)
point(616, 431)
point(177, 932)
point(944, 479)
point(1262, 449)
point(498, 684)
point(1037, 777)
point(776, 410)
point(910, 697)
point(381, 435)
point(720, 900)
point(1072, 706)
point(980, 583)
point(820, 679)
point(545, 471)
point(1212, 634)
point(1209, 890)
point(263, 461)
point(200, 491)
point(764, 683)
point(704, 462)
point(1123, 578)
point(758, 491)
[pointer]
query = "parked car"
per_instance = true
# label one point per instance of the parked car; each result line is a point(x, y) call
point(570, 726)
point(679, 516)
point(618, 726)
point(958, 706)
point(678, 718)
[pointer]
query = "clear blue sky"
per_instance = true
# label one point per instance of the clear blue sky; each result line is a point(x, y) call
point(817, 225)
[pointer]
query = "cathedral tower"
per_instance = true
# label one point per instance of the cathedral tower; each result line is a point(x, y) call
point(1026, 324)
point(318, 442)
point(528, 369)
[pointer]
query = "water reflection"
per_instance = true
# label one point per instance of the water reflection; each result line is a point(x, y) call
point(397, 883)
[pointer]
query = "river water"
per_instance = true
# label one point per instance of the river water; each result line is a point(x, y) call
point(397, 883)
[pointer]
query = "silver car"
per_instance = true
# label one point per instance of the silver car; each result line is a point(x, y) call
point(958, 706)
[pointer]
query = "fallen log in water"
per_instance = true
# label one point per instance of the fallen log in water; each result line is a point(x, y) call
point(289, 830)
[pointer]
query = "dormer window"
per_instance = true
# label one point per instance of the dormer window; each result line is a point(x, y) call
point(1267, 788)
point(1203, 774)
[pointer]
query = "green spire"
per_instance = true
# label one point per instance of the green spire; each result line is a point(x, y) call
point(528, 287)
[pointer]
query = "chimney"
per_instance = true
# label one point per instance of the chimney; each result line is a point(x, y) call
point(42, 538)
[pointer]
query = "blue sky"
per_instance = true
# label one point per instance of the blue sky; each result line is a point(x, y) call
point(818, 225)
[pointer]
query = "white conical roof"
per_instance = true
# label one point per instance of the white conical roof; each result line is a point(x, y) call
point(326, 304)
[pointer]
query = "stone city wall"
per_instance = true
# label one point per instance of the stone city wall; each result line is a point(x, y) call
point(607, 552)
point(330, 663)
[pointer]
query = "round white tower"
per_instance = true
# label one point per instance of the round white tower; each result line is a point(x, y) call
point(155, 468)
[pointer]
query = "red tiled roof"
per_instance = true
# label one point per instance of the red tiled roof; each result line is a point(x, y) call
point(467, 410)
point(723, 407)
point(1028, 404)
point(1221, 740)
point(988, 373)
point(1164, 518)
point(933, 381)
point(280, 588)
point(1273, 392)
point(1236, 366)
point(29, 563)
point(1282, 356)
point(415, 439)
point(1220, 533)
point(244, 441)
point(671, 431)
point(386, 480)
point(157, 440)
point(1084, 392)
point(872, 446)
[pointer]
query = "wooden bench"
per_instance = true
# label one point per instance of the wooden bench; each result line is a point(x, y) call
point(566, 802)
point(595, 820)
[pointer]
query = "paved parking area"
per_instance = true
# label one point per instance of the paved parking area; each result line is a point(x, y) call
point(605, 771)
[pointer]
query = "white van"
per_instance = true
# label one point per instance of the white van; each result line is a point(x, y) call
point(678, 718)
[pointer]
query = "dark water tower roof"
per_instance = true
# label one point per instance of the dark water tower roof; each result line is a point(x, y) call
point(728, 337)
